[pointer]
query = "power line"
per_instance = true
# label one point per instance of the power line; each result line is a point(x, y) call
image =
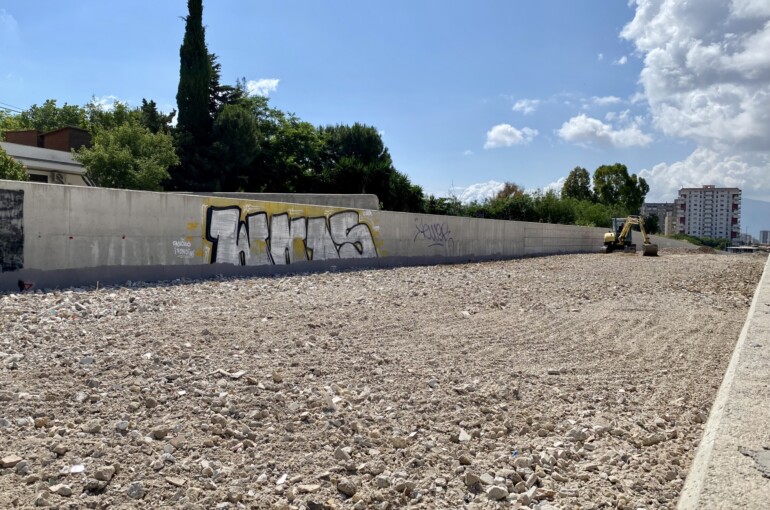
point(10, 107)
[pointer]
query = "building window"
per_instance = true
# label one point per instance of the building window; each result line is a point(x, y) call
point(38, 178)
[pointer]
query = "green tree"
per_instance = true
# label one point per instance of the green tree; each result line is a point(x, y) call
point(11, 169)
point(517, 207)
point(8, 122)
point(509, 190)
point(154, 120)
point(194, 76)
point(219, 94)
point(198, 169)
point(46, 117)
point(652, 224)
point(100, 117)
point(634, 193)
point(609, 180)
point(235, 131)
point(550, 208)
point(49, 116)
point(614, 186)
point(288, 152)
point(577, 185)
point(296, 151)
point(449, 206)
point(356, 160)
point(592, 214)
point(402, 194)
point(128, 156)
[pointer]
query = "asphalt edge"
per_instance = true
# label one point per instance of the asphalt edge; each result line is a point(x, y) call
point(689, 498)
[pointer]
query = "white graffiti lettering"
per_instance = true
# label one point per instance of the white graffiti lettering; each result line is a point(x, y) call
point(183, 249)
point(281, 239)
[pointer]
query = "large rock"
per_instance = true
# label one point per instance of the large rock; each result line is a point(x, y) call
point(496, 493)
point(10, 461)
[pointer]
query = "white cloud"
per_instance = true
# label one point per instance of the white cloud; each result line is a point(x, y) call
point(555, 186)
point(106, 103)
point(621, 61)
point(589, 131)
point(505, 135)
point(706, 78)
point(750, 8)
point(262, 87)
point(600, 57)
point(600, 101)
point(705, 166)
point(526, 106)
point(468, 153)
point(707, 69)
point(483, 190)
point(477, 192)
point(622, 117)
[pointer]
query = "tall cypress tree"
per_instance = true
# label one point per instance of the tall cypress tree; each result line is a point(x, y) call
point(197, 171)
point(192, 97)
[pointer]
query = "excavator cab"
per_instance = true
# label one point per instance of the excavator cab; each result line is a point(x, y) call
point(614, 240)
point(620, 237)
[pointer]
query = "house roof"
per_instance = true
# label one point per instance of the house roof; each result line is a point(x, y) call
point(66, 128)
point(36, 158)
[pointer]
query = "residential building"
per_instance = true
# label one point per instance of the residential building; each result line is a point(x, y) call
point(666, 213)
point(710, 212)
point(47, 157)
point(764, 237)
point(62, 139)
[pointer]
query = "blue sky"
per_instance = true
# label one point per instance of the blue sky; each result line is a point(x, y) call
point(466, 94)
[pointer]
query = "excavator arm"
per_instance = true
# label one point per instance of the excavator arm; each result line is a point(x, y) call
point(631, 221)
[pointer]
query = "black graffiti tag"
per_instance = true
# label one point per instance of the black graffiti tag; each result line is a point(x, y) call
point(437, 234)
point(11, 230)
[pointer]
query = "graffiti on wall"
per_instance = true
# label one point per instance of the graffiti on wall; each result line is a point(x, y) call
point(262, 239)
point(11, 230)
point(183, 248)
point(435, 234)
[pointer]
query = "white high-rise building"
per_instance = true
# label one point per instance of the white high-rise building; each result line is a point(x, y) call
point(710, 212)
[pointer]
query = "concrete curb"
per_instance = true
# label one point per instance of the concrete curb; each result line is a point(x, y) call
point(722, 475)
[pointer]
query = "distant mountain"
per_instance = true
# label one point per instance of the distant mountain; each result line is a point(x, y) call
point(755, 216)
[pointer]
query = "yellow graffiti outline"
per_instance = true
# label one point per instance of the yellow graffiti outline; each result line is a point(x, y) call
point(249, 207)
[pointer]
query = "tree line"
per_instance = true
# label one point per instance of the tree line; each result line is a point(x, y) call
point(612, 193)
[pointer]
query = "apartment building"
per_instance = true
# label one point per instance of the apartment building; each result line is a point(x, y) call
point(764, 236)
point(710, 212)
point(666, 213)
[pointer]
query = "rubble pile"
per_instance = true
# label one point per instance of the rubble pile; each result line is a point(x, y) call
point(559, 382)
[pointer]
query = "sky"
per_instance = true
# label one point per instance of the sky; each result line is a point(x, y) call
point(467, 95)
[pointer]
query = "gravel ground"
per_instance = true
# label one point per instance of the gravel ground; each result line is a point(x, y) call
point(552, 383)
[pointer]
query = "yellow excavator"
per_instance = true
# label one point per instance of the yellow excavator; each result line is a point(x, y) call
point(619, 238)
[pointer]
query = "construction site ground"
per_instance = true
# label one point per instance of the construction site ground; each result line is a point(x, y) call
point(576, 381)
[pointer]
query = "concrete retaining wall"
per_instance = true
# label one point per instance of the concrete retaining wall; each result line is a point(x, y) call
point(732, 465)
point(63, 235)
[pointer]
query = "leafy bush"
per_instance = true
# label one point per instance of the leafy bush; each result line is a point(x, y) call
point(11, 169)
